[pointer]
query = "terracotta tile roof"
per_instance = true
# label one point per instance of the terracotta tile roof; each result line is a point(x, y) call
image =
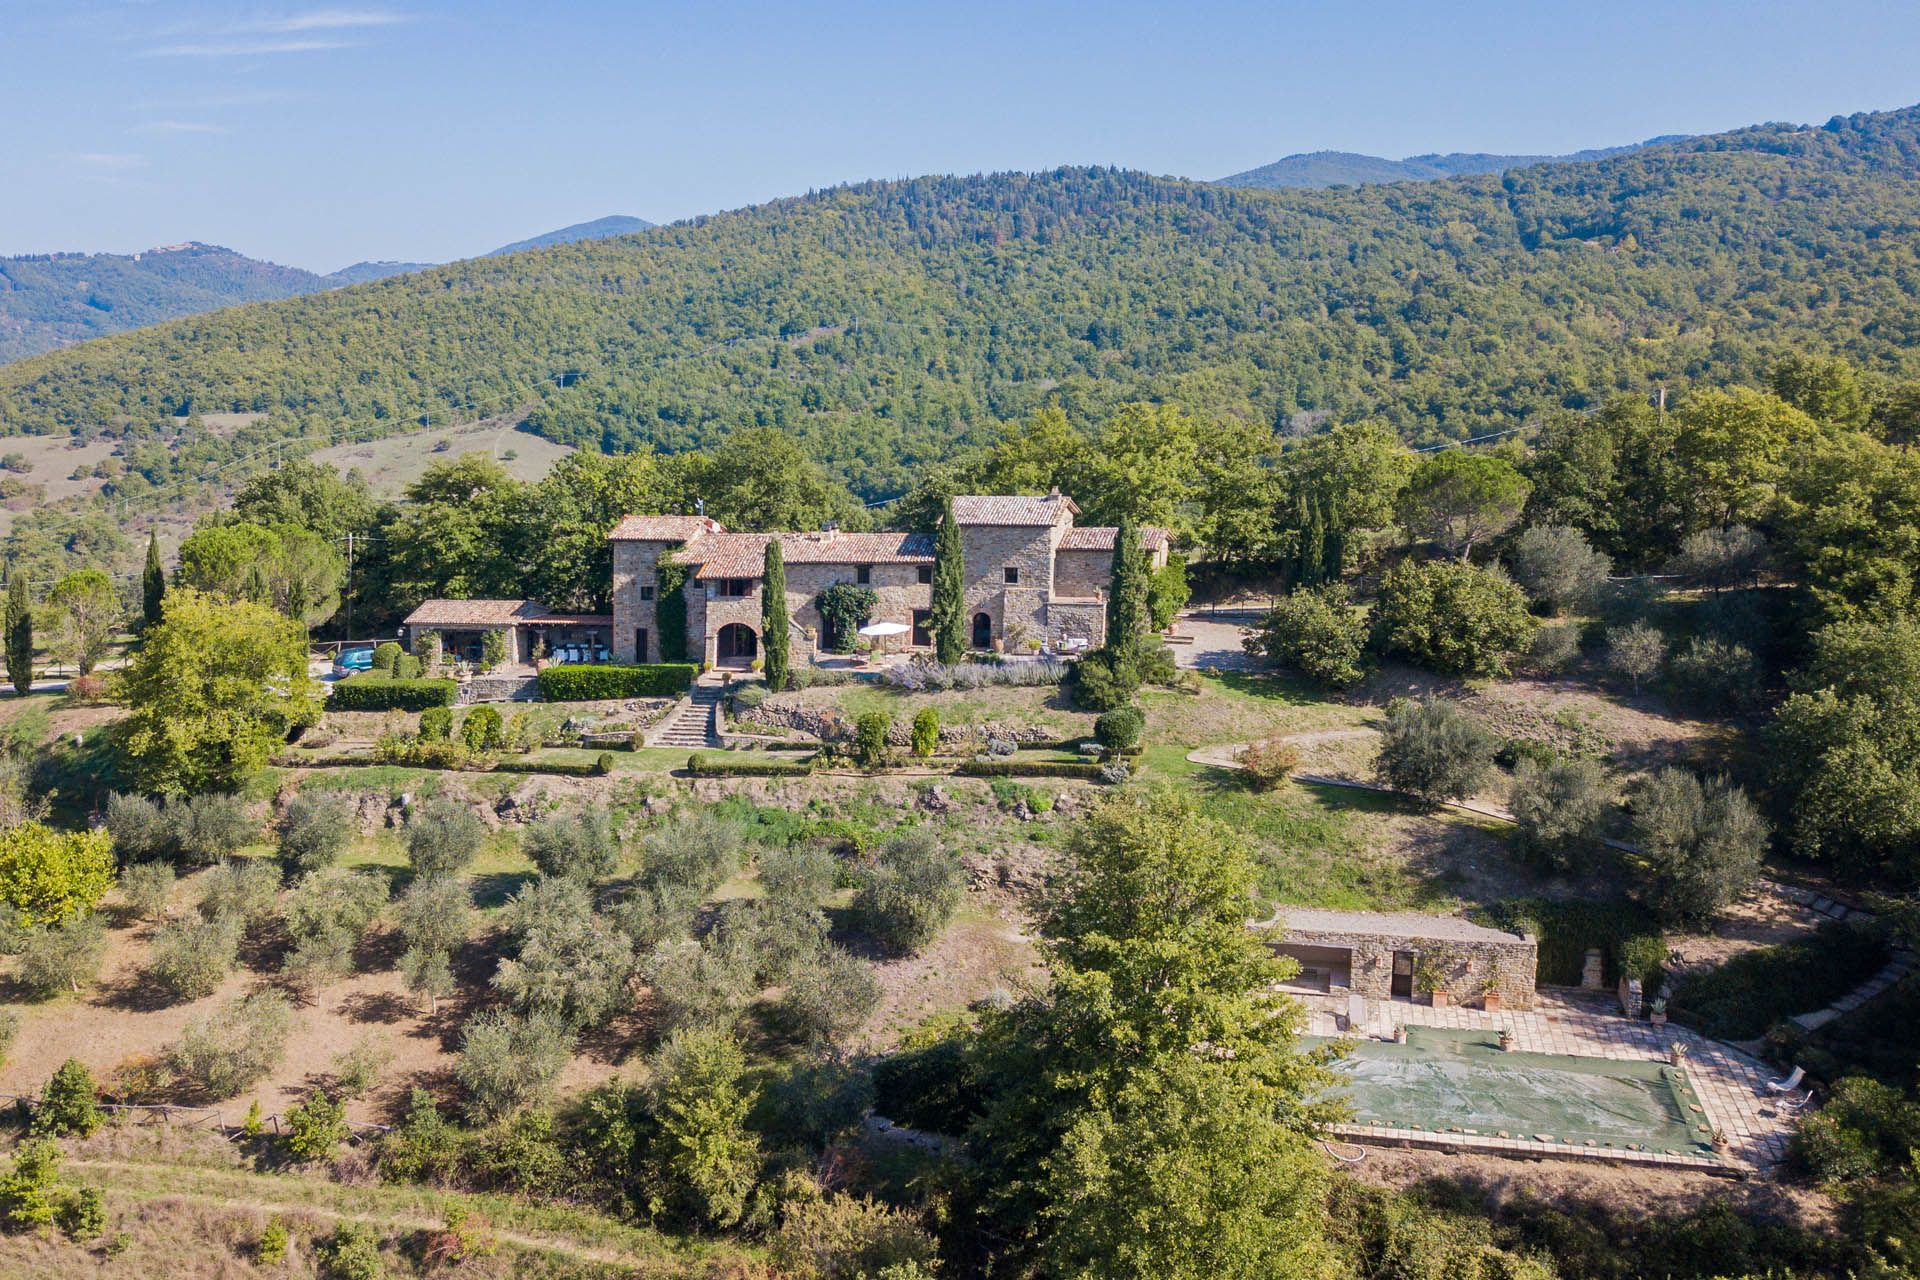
point(1008, 510)
point(498, 613)
point(664, 528)
point(473, 613)
point(1095, 537)
point(743, 555)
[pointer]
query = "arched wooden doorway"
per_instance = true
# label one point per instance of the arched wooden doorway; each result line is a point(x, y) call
point(982, 631)
point(736, 645)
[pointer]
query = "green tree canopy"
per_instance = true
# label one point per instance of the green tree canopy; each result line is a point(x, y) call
point(1459, 498)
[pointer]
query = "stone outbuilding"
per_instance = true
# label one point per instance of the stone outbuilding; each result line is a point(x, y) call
point(530, 628)
point(1033, 580)
point(1390, 955)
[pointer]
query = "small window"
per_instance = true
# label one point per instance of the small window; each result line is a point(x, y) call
point(863, 574)
point(646, 593)
point(736, 587)
point(926, 574)
point(1013, 575)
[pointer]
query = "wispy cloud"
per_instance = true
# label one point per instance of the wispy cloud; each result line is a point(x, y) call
point(109, 161)
point(241, 48)
point(182, 126)
point(328, 20)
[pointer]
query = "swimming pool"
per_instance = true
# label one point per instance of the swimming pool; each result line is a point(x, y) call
point(1448, 1081)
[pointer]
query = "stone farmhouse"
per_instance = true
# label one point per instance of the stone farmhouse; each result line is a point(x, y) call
point(1033, 579)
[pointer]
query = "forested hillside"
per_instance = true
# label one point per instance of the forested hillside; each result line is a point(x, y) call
point(888, 324)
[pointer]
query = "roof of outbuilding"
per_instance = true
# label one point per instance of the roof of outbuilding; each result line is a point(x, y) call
point(743, 555)
point(474, 613)
point(1391, 924)
point(1095, 537)
point(1010, 510)
point(664, 528)
point(498, 613)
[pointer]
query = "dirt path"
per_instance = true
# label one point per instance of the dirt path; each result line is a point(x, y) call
point(1226, 755)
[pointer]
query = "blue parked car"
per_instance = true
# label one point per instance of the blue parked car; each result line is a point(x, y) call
point(352, 660)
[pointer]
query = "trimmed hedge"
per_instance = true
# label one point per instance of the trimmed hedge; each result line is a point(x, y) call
point(714, 766)
point(600, 767)
point(1629, 939)
point(1742, 998)
point(374, 691)
point(1030, 769)
point(586, 682)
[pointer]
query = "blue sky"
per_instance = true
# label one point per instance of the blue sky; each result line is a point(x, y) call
point(318, 134)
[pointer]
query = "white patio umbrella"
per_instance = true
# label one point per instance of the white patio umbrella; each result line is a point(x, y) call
point(882, 630)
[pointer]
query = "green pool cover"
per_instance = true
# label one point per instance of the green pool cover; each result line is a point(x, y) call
point(1447, 1081)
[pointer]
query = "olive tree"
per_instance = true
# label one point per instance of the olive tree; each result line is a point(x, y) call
point(1431, 749)
point(1701, 842)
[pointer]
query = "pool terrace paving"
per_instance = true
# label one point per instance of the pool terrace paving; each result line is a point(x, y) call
point(1730, 1086)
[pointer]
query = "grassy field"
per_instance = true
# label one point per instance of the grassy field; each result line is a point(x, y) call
point(389, 465)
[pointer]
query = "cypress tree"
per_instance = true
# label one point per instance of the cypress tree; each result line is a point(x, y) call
point(947, 617)
point(1127, 604)
point(19, 634)
point(773, 616)
point(1313, 543)
point(670, 612)
point(1333, 561)
point(153, 583)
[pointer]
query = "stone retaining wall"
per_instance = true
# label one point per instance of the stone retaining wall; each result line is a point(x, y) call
point(831, 726)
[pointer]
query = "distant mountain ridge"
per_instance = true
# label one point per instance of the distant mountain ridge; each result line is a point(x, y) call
point(618, 224)
point(1316, 169)
point(53, 300)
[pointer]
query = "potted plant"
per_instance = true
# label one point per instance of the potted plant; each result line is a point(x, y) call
point(1506, 1040)
point(1657, 1011)
point(1432, 969)
point(1677, 1053)
point(1399, 1034)
point(1720, 1140)
point(1492, 1001)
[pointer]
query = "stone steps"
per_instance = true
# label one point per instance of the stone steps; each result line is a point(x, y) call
point(690, 725)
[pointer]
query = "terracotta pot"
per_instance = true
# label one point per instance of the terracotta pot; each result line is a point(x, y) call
point(1440, 999)
point(1492, 1002)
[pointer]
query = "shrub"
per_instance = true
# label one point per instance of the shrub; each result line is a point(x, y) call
point(1712, 675)
point(1557, 568)
point(350, 1253)
point(1316, 633)
point(1167, 593)
point(148, 888)
point(81, 1214)
point(508, 1060)
point(824, 1237)
point(870, 738)
point(9, 1032)
point(603, 764)
point(139, 828)
point(922, 675)
point(87, 689)
point(1432, 750)
point(436, 724)
point(315, 1127)
point(224, 1050)
point(1554, 648)
point(327, 915)
point(1270, 762)
point(748, 696)
point(721, 765)
point(1635, 651)
point(1864, 1129)
point(1702, 842)
point(312, 832)
point(62, 957)
point(1103, 681)
point(442, 837)
point(1452, 617)
point(408, 668)
point(68, 1103)
point(423, 1147)
point(708, 1157)
point(591, 683)
point(192, 957)
point(26, 1190)
point(493, 650)
point(1015, 768)
point(243, 888)
point(199, 829)
point(1741, 998)
point(1559, 807)
point(1119, 729)
point(926, 732)
point(1114, 773)
point(270, 1250)
point(697, 986)
point(386, 655)
point(581, 845)
point(356, 1071)
point(695, 848)
point(829, 996)
point(373, 691)
point(1626, 935)
point(480, 731)
point(1721, 558)
point(570, 968)
point(910, 892)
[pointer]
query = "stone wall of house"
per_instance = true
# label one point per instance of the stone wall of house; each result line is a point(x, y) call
point(1508, 967)
point(1082, 574)
point(988, 551)
point(635, 564)
point(897, 588)
point(1077, 620)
